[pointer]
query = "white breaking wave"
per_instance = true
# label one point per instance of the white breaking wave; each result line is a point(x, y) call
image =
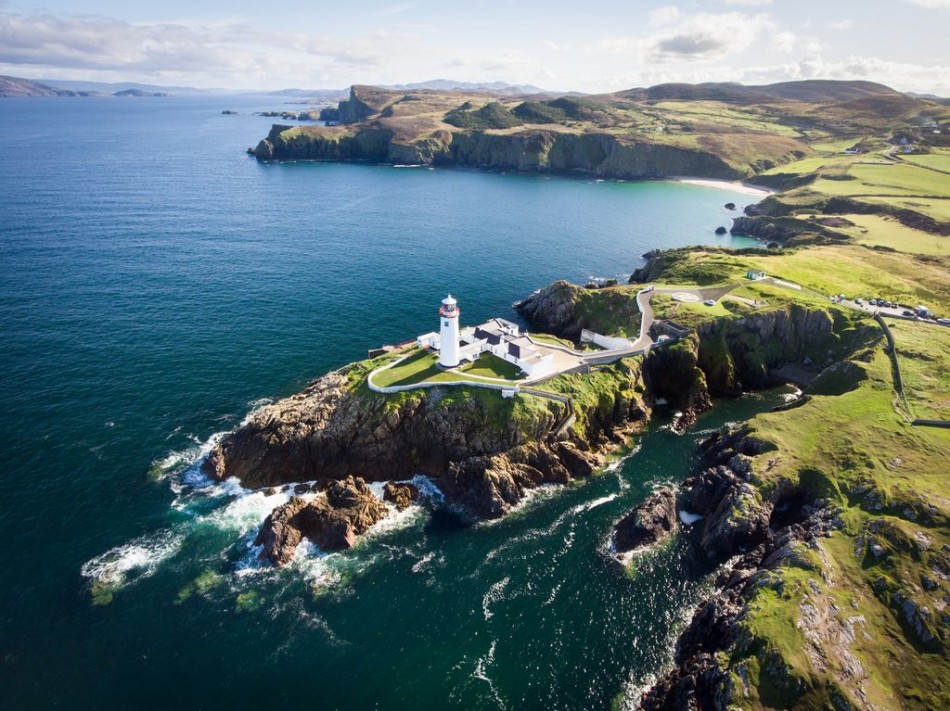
point(248, 510)
point(581, 508)
point(428, 489)
point(134, 560)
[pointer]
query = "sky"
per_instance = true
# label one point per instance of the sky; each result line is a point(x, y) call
point(592, 46)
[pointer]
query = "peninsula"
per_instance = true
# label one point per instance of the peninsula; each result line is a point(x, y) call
point(832, 510)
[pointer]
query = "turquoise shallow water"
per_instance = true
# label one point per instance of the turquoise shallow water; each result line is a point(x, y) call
point(155, 284)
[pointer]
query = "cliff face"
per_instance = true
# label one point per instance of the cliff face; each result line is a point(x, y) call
point(724, 356)
point(483, 451)
point(764, 532)
point(602, 155)
point(598, 154)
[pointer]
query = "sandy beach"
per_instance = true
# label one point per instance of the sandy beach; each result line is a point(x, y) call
point(727, 185)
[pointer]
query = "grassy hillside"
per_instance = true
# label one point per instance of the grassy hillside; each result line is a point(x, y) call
point(858, 619)
point(715, 130)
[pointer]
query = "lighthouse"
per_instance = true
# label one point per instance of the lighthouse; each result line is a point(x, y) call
point(449, 333)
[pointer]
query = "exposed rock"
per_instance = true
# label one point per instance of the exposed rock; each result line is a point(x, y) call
point(553, 309)
point(917, 618)
point(721, 230)
point(489, 487)
point(327, 432)
point(264, 150)
point(730, 206)
point(280, 534)
point(673, 372)
point(649, 522)
point(706, 490)
point(480, 455)
point(697, 681)
point(401, 495)
point(332, 520)
point(740, 522)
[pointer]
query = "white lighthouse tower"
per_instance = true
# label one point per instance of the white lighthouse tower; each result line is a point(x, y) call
point(449, 333)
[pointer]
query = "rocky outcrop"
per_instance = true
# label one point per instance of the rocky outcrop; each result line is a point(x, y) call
point(481, 450)
point(362, 103)
point(673, 373)
point(738, 521)
point(333, 520)
point(400, 495)
point(649, 522)
point(553, 309)
point(489, 486)
point(698, 680)
point(328, 431)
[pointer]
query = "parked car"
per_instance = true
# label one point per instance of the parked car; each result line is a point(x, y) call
point(709, 302)
point(873, 302)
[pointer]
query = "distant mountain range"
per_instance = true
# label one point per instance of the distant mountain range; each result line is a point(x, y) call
point(809, 90)
point(812, 90)
point(494, 87)
point(16, 86)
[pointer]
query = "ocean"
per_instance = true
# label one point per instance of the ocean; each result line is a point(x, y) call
point(156, 285)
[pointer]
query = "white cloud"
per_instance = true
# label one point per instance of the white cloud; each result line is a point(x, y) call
point(160, 49)
point(931, 4)
point(705, 36)
point(784, 41)
point(749, 3)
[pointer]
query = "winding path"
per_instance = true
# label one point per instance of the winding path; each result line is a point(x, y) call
point(566, 359)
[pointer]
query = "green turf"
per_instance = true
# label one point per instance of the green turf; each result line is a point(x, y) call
point(422, 367)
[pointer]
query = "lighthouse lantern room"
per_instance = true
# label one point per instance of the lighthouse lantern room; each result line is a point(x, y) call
point(449, 333)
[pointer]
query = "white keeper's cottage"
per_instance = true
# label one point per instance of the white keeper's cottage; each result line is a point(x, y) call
point(497, 336)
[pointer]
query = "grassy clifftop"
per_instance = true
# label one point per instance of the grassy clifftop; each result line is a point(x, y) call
point(858, 617)
point(711, 130)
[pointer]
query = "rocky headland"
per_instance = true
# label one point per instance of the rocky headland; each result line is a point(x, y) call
point(616, 136)
point(811, 538)
point(483, 452)
point(759, 531)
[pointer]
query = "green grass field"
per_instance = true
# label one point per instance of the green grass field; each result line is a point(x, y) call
point(937, 161)
point(937, 208)
point(923, 353)
point(828, 269)
point(855, 446)
point(886, 231)
point(553, 340)
point(422, 367)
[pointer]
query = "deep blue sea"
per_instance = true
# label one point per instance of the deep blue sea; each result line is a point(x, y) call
point(157, 284)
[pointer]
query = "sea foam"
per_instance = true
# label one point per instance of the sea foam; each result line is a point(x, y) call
point(134, 560)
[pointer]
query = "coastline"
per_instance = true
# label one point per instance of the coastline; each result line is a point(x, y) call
point(734, 185)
